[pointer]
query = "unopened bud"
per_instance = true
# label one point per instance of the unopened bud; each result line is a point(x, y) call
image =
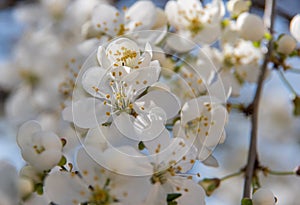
point(264, 197)
point(250, 27)
point(286, 44)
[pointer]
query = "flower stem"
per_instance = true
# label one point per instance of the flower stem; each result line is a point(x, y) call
point(279, 173)
point(287, 83)
point(294, 70)
point(231, 175)
point(252, 154)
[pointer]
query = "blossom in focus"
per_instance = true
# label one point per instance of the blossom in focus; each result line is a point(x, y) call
point(117, 93)
point(96, 185)
point(202, 124)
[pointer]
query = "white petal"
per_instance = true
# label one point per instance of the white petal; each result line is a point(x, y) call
point(102, 58)
point(180, 43)
point(87, 113)
point(26, 131)
point(107, 18)
point(192, 193)
point(64, 189)
point(91, 80)
point(156, 195)
point(216, 129)
point(163, 99)
point(36, 199)
point(295, 27)
point(139, 79)
point(171, 10)
point(150, 124)
point(231, 83)
point(138, 14)
point(126, 188)
point(162, 142)
point(211, 161)
point(191, 110)
point(91, 170)
point(96, 138)
point(124, 124)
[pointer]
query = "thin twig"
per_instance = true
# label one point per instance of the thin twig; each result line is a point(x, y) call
point(231, 176)
point(294, 70)
point(252, 154)
point(287, 83)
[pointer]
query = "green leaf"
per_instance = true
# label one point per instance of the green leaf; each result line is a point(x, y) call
point(172, 197)
point(141, 145)
point(39, 188)
point(296, 102)
point(256, 44)
point(246, 201)
point(62, 161)
point(268, 36)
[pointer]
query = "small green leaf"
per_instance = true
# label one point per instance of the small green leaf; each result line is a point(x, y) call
point(172, 197)
point(246, 201)
point(39, 188)
point(296, 102)
point(293, 53)
point(225, 23)
point(62, 161)
point(256, 44)
point(141, 145)
point(268, 36)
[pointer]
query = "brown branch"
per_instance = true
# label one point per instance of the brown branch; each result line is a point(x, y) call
point(252, 154)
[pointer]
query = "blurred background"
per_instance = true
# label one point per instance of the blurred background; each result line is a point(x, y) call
point(279, 130)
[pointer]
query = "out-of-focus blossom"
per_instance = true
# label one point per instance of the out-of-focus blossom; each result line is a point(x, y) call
point(42, 150)
point(295, 27)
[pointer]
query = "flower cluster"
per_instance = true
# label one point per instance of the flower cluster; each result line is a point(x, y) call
point(126, 124)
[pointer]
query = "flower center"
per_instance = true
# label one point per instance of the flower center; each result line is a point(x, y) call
point(39, 149)
point(125, 57)
point(29, 77)
point(195, 26)
point(100, 197)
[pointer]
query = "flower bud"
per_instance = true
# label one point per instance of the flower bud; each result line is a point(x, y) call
point(286, 44)
point(25, 186)
point(250, 27)
point(263, 197)
point(236, 7)
point(295, 27)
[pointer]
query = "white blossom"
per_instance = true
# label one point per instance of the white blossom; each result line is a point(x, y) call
point(42, 150)
point(193, 22)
